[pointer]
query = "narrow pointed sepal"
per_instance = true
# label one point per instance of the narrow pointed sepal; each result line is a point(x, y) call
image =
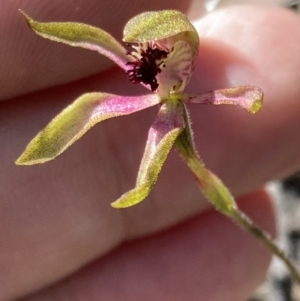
point(248, 97)
point(167, 126)
point(81, 35)
point(73, 122)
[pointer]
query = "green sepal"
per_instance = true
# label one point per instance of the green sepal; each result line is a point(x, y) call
point(80, 35)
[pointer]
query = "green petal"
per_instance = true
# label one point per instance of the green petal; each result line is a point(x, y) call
point(162, 135)
point(73, 122)
point(159, 25)
point(248, 97)
point(81, 35)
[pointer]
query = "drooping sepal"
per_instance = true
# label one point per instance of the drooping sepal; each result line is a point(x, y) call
point(248, 97)
point(74, 121)
point(167, 126)
point(81, 35)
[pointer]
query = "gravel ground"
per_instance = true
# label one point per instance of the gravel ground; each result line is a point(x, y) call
point(279, 286)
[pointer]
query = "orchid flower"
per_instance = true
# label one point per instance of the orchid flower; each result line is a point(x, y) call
point(163, 49)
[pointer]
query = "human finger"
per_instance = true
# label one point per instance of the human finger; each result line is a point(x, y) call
point(207, 257)
point(72, 193)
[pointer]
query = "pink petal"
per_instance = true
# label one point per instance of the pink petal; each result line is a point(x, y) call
point(167, 126)
point(249, 98)
point(73, 122)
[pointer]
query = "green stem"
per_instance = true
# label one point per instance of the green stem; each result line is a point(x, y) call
point(217, 193)
point(246, 223)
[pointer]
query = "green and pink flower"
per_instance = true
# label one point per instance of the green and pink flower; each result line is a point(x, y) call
point(163, 49)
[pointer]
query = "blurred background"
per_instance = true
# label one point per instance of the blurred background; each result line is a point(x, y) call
point(210, 5)
point(279, 286)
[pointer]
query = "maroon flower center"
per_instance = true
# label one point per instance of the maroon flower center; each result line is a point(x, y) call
point(145, 68)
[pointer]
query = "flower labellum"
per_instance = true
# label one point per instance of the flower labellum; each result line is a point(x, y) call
point(146, 66)
point(167, 46)
point(164, 46)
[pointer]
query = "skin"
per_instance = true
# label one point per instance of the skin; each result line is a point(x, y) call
point(58, 233)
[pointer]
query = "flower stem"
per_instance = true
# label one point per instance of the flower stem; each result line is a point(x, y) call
point(247, 224)
point(217, 193)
